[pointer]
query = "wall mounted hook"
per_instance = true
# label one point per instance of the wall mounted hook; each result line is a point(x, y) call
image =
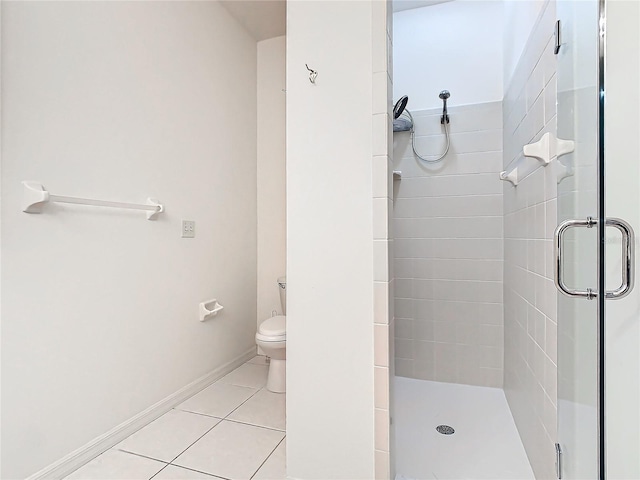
point(312, 74)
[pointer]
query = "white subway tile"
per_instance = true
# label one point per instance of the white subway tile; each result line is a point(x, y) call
point(424, 363)
point(445, 332)
point(381, 261)
point(381, 387)
point(467, 269)
point(449, 206)
point(403, 348)
point(551, 340)
point(404, 367)
point(381, 302)
point(404, 287)
point(491, 357)
point(467, 142)
point(380, 173)
point(381, 430)
point(380, 98)
point(489, 249)
point(550, 98)
point(379, 43)
point(446, 360)
point(381, 218)
point(404, 328)
point(424, 330)
point(535, 85)
point(381, 345)
point(379, 132)
point(467, 291)
point(403, 266)
point(404, 307)
point(382, 465)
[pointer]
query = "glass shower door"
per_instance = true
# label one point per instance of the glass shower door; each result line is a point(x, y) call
point(579, 316)
point(597, 339)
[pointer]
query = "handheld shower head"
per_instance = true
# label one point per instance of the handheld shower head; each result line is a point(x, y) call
point(444, 94)
point(402, 124)
point(399, 107)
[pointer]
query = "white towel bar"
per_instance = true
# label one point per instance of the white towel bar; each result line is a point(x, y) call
point(35, 196)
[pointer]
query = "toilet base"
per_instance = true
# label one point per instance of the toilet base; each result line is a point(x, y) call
point(277, 377)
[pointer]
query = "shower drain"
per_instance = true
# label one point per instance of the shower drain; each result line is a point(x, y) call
point(445, 429)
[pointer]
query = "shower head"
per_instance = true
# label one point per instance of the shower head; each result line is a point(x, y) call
point(444, 94)
point(403, 124)
point(399, 107)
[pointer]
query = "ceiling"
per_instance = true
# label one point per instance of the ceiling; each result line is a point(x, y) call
point(268, 18)
point(261, 18)
point(399, 5)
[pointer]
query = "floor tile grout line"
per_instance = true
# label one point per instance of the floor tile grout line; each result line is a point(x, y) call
point(140, 455)
point(254, 394)
point(199, 471)
point(196, 441)
point(257, 389)
point(150, 478)
point(268, 457)
point(198, 413)
point(174, 458)
point(218, 423)
point(257, 426)
point(220, 420)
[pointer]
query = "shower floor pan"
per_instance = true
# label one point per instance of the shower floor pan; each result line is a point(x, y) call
point(485, 443)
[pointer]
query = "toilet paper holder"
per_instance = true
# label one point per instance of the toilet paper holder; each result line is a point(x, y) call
point(204, 312)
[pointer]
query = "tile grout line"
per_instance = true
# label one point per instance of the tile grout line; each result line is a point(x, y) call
point(268, 457)
point(143, 456)
point(254, 425)
point(140, 455)
point(220, 420)
point(210, 416)
point(194, 470)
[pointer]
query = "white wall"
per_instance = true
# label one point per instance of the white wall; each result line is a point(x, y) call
point(330, 404)
point(519, 19)
point(271, 174)
point(444, 46)
point(120, 101)
point(622, 148)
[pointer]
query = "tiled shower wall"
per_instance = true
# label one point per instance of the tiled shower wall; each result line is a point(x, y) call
point(530, 214)
point(448, 249)
point(382, 167)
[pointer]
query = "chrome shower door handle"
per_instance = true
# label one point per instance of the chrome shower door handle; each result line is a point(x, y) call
point(628, 259)
point(558, 250)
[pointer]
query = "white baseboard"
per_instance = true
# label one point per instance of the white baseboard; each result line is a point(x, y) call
point(101, 444)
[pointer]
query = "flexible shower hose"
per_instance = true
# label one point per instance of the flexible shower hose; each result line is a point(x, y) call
point(436, 158)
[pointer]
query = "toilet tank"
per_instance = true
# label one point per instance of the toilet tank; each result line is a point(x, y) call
point(282, 286)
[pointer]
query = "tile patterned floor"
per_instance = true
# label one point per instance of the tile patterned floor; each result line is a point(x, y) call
point(233, 429)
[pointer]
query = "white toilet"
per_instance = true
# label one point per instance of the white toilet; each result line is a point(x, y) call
point(272, 339)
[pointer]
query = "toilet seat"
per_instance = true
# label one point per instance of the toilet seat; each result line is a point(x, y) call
point(271, 339)
point(274, 328)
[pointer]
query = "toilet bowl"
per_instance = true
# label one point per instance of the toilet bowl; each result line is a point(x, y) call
point(272, 339)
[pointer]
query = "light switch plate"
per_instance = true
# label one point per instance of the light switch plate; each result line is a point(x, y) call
point(188, 229)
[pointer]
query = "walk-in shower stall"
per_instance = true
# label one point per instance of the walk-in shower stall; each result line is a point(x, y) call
point(515, 318)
